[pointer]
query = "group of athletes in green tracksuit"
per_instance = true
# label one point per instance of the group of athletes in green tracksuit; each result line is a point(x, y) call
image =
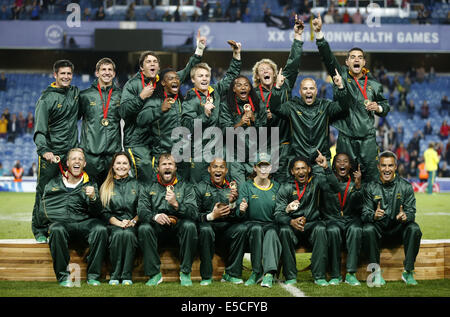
point(115, 201)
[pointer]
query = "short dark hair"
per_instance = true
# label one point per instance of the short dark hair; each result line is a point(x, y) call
point(62, 63)
point(299, 158)
point(144, 55)
point(355, 49)
point(388, 154)
point(105, 60)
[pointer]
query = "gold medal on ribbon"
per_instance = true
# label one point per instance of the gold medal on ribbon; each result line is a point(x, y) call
point(170, 188)
point(56, 159)
point(366, 102)
point(105, 122)
point(233, 185)
point(171, 100)
point(209, 100)
point(247, 107)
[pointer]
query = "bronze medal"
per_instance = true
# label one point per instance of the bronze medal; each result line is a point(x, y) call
point(105, 122)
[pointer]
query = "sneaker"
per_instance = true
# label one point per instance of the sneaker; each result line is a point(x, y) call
point(335, 281)
point(185, 279)
point(113, 282)
point(93, 282)
point(321, 282)
point(228, 278)
point(253, 279)
point(127, 282)
point(41, 239)
point(351, 279)
point(155, 280)
point(408, 278)
point(291, 282)
point(206, 282)
point(66, 283)
point(267, 280)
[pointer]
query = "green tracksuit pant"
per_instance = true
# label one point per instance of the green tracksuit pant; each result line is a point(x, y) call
point(362, 151)
point(229, 237)
point(141, 163)
point(409, 234)
point(314, 235)
point(90, 231)
point(264, 246)
point(340, 232)
point(46, 171)
point(122, 249)
point(97, 167)
point(185, 232)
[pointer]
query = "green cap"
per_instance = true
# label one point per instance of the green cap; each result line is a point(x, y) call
point(263, 158)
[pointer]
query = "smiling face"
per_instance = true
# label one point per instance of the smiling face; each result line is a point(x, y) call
point(201, 79)
point(121, 167)
point(262, 170)
point(308, 91)
point(217, 169)
point(342, 165)
point(355, 62)
point(105, 74)
point(171, 83)
point(301, 171)
point(76, 162)
point(167, 169)
point(63, 77)
point(265, 74)
point(150, 66)
point(387, 168)
point(242, 88)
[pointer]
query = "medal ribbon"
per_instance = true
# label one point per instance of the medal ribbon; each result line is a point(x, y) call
point(105, 111)
point(143, 82)
point(249, 100)
point(262, 96)
point(342, 202)
point(64, 172)
point(165, 95)
point(165, 185)
point(225, 181)
point(298, 190)
point(198, 95)
point(365, 86)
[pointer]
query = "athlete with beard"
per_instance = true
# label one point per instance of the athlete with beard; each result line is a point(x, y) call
point(70, 212)
point(389, 212)
point(136, 94)
point(240, 113)
point(310, 117)
point(264, 78)
point(203, 103)
point(55, 131)
point(167, 210)
point(366, 99)
point(100, 129)
point(219, 225)
point(297, 214)
point(341, 212)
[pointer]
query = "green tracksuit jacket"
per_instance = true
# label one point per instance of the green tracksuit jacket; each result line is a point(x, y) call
point(392, 195)
point(228, 233)
point(124, 200)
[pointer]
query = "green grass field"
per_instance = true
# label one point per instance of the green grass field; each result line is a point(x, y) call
point(433, 215)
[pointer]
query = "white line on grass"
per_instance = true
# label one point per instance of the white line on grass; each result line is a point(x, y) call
point(436, 214)
point(26, 216)
point(294, 291)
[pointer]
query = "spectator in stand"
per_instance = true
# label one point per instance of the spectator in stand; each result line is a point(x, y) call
point(3, 127)
point(33, 170)
point(177, 16)
point(411, 108)
point(357, 18)
point(238, 17)
point(35, 11)
point(3, 82)
point(443, 170)
point(243, 5)
point(402, 154)
point(440, 149)
point(414, 143)
point(17, 171)
point(205, 11)
point(346, 17)
point(231, 10)
point(100, 14)
point(87, 14)
point(5, 14)
point(130, 14)
point(328, 18)
point(51, 6)
point(30, 123)
point(7, 114)
point(428, 129)
point(22, 124)
point(246, 17)
point(421, 74)
point(413, 171)
point(422, 15)
point(2, 170)
point(444, 105)
point(425, 110)
point(218, 12)
point(17, 9)
point(443, 133)
point(13, 128)
point(447, 151)
point(431, 78)
point(399, 135)
point(194, 18)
